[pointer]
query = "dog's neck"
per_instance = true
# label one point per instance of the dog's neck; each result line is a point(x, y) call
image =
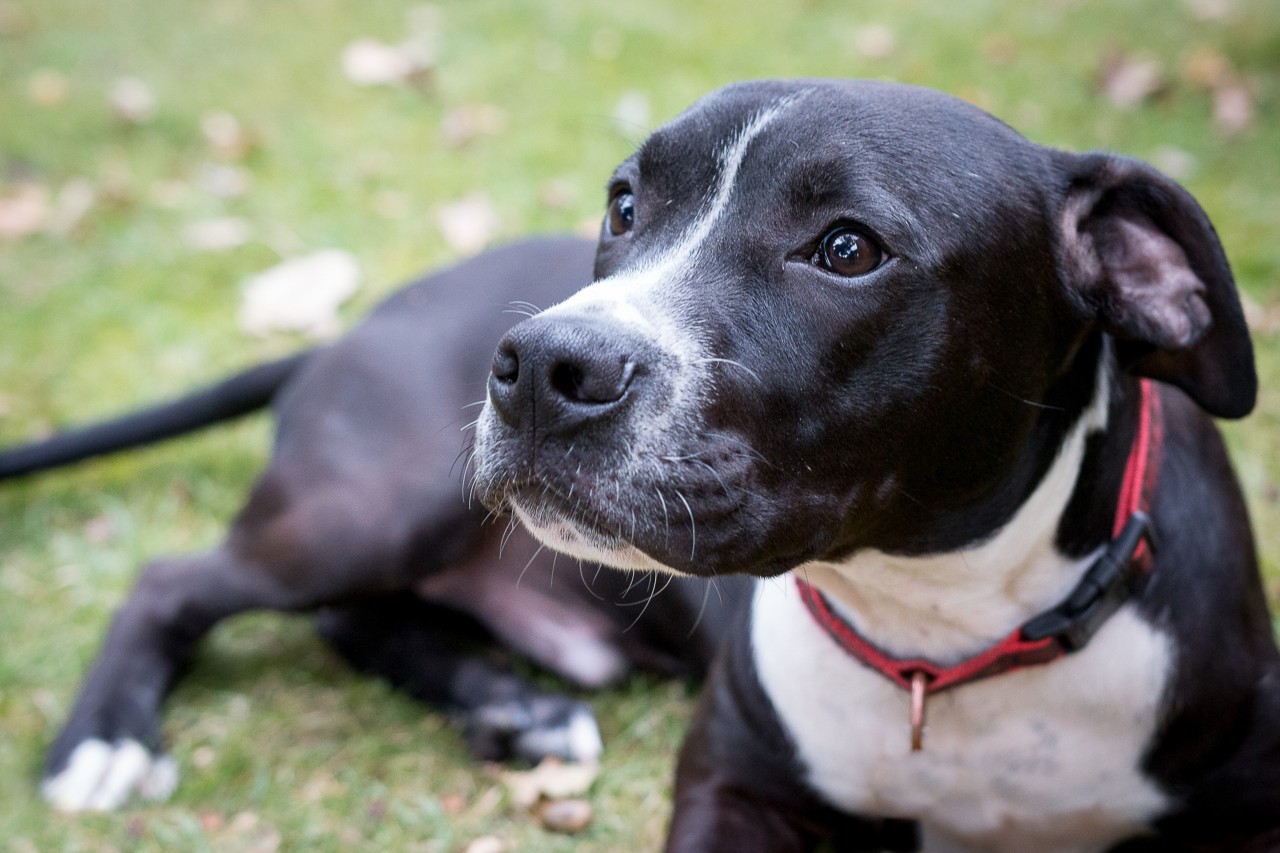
point(948, 606)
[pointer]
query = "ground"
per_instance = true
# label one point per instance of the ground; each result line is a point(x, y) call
point(115, 142)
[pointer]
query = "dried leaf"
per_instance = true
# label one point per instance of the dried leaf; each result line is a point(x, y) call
point(24, 210)
point(553, 778)
point(13, 20)
point(468, 224)
point(568, 816)
point(224, 181)
point(875, 41)
point(1262, 319)
point(132, 100)
point(217, 235)
point(300, 295)
point(465, 123)
point(558, 194)
point(100, 529)
point(1177, 163)
point(487, 844)
point(632, 113)
point(72, 204)
point(1205, 68)
point(48, 88)
point(1233, 111)
point(1211, 10)
point(369, 62)
point(226, 138)
point(1129, 80)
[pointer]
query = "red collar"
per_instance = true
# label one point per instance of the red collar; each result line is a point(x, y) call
point(1106, 585)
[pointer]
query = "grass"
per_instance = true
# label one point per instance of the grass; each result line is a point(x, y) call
point(279, 744)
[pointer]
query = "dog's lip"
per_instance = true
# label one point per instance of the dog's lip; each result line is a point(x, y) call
point(573, 536)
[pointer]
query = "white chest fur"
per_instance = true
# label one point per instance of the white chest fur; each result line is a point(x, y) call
point(1042, 759)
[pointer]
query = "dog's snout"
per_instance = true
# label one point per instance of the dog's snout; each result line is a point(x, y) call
point(556, 375)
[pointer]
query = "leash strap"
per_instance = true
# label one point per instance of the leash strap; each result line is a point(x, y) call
point(1066, 628)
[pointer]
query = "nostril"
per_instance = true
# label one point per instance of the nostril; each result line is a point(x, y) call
point(506, 365)
point(566, 379)
point(599, 385)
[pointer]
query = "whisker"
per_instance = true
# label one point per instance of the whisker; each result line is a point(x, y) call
point(693, 526)
point(733, 363)
point(520, 577)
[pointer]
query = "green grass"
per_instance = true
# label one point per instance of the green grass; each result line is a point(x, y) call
point(277, 741)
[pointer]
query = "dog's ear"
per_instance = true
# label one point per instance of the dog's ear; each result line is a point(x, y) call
point(1139, 255)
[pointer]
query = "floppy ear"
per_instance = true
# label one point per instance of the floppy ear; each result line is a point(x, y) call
point(1140, 257)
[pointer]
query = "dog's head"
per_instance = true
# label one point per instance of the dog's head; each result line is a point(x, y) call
point(835, 315)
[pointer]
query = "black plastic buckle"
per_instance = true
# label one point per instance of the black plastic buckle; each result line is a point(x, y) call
point(1107, 585)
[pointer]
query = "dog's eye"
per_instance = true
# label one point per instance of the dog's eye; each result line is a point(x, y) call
point(847, 252)
point(622, 212)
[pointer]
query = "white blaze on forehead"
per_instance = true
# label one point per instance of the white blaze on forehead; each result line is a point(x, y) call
point(629, 295)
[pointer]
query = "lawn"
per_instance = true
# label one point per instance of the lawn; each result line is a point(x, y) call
point(110, 298)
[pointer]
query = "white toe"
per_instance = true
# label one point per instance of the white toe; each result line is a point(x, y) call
point(102, 777)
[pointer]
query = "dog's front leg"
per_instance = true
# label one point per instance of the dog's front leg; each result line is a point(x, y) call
point(739, 785)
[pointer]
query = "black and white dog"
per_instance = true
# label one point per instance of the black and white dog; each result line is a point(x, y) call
point(361, 516)
point(947, 390)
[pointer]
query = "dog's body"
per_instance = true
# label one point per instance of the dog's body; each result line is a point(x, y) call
point(363, 516)
point(868, 335)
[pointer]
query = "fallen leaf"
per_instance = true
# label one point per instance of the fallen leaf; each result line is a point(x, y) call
point(217, 235)
point(1211, 10)
point(13, 20)
point(1262, 319)
point(369, 62)
point(1000, 49)
point(224, 135)
point(72, 204)
point(632, 113)
point(558, 194)
point(874, 41)
point(487, 844)
point(100, 529)
point(568, 816)
point(1177, 163)
point(469, 223)
point(24, 210)
point(170, 193)
point(463, 124)
point(248, 833)
point(553, 778)
point(300, 295)
point(1129, 80)
point(1233, 111)
point(1205, 68)
point(48, 88)
point(132, 100)
point(224, 181)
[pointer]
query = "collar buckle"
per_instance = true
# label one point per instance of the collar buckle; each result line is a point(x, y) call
point(1108, 584)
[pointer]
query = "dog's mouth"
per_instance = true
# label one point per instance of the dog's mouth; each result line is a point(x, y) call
point(582, 537)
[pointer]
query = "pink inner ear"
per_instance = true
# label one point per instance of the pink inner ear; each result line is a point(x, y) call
point(1153, 292)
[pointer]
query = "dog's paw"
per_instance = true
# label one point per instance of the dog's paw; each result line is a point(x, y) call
point(100, 776)
point(530, 729)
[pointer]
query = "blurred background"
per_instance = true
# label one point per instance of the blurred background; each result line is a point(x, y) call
point(156, 157)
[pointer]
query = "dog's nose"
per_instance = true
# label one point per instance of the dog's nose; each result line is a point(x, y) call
point(554, 375)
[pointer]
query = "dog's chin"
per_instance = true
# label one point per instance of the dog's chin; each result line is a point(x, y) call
point(564, 535)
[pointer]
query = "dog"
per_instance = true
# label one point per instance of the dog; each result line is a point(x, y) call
point(948, 392)
point(362, 517)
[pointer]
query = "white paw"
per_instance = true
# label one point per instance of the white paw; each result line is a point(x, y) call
point(576, 739)
point(100, 777)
